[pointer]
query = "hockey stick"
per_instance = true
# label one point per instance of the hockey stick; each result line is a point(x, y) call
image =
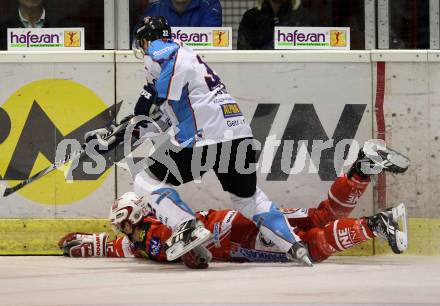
point(110, 139)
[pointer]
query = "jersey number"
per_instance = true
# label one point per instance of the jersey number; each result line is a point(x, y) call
point(212, 80)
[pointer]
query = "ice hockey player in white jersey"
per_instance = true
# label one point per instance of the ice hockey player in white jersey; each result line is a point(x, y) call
point(210, 133)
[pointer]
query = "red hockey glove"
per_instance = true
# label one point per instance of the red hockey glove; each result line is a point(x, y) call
point(83, 245)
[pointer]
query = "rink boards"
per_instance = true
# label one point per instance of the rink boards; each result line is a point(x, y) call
point(324, 98)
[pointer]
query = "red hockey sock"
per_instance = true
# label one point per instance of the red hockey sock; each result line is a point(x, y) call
point(335, 237)
point(345, 233)
point(345, 193)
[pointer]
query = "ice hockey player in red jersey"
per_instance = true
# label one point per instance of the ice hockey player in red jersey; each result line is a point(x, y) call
point(325, 230)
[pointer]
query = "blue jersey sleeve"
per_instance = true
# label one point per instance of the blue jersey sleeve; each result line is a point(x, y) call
point(165, 78)
point(169, 83)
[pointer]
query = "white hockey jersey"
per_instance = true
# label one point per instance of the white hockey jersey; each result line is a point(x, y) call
point(200, 109)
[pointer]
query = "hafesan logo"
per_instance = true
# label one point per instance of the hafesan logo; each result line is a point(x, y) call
point(72, 39)
point(337, 38)
point(42, 113)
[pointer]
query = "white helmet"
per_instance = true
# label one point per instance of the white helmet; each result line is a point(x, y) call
point(128, 208)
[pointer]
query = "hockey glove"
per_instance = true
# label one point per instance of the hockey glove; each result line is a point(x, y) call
point(197, 258)
point(84, 245)
point(101, 135)
point(146, 104)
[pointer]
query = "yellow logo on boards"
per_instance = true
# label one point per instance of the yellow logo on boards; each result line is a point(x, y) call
point(72, 39)
point(338, 38)
point(220, 38)
point(38, 111)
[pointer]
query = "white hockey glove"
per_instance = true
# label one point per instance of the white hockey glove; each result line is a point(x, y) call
point(105, 142)
point(98, 134)
point(84, 245)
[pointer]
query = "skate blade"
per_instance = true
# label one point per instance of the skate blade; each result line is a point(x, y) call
point(305, 260)
point(301, 257)
point(399, 216)
point(178, 249)
point(398, 159)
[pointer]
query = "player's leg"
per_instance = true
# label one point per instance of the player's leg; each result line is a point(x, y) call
point(253, 203)
point(345, 233)
point(345, 192)
point(166, 169)
point(342, 198)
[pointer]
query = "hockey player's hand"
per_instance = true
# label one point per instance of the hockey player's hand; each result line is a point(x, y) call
point(97, 134)
point(83, 245)
point(197, 258)
point(146, 104)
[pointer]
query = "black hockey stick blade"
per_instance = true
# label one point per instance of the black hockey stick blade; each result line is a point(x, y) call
point(56, 165)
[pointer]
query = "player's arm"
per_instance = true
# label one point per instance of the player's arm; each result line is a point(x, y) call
point(148, 105)
point(155, 246)
point(95, 245)
point(120, 247)
point(152, 240)
point(172, 75)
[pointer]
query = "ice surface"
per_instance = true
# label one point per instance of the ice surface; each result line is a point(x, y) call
point(52, 280)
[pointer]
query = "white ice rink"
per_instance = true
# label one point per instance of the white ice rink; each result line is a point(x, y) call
point(51, 280)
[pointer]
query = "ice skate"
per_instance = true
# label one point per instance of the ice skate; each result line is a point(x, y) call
point(386, 226)
point(299, 253)
point(185, 237)
point(375, 157)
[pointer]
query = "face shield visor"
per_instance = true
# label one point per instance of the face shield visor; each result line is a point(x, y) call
point(139, 49)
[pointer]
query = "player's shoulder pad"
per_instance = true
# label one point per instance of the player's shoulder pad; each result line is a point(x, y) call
point(162, 51)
